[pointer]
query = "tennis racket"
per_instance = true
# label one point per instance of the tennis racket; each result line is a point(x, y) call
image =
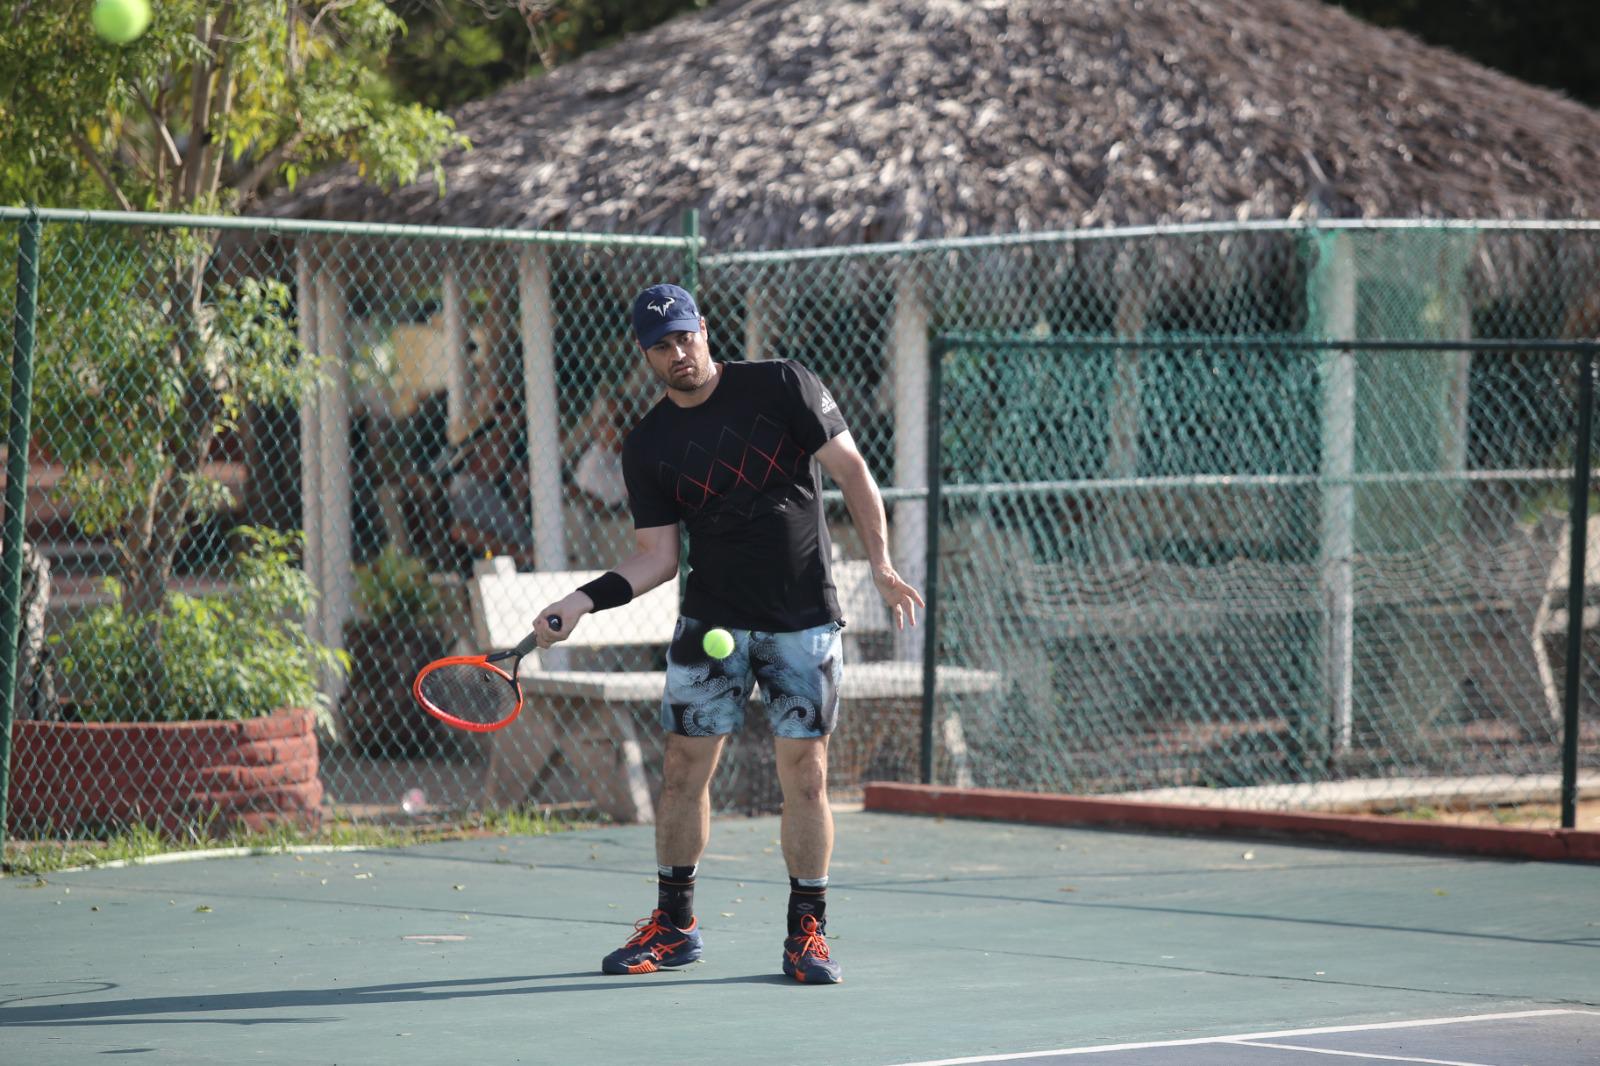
point(479, 693)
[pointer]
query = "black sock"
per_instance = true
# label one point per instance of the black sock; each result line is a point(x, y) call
point(675, 893)
point(807, 895)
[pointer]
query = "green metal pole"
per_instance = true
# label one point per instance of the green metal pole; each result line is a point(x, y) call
point(16, 500)
point(1577, 568)
point(691, 234)
point(930, 623)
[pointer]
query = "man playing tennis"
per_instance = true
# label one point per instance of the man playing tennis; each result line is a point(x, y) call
point(727, 455)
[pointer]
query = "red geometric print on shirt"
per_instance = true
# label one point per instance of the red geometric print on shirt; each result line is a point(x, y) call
point(750, 463)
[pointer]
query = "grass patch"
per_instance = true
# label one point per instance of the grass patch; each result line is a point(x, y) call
point(136, 842)
point(1529, 814)
point(518, 823)
point(1510, 815)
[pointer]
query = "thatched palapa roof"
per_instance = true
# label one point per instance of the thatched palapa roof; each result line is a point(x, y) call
point(814, 122)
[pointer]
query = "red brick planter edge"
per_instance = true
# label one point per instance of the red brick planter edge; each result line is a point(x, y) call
point(71, 777)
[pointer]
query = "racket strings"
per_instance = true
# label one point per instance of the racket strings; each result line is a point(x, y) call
point(472, 693)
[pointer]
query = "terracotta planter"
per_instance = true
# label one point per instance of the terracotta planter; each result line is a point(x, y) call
point(80, 778)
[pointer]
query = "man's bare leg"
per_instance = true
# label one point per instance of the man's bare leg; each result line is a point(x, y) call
point(807, 827)
point(807, 848)
point(683, 826)
point(683, 812)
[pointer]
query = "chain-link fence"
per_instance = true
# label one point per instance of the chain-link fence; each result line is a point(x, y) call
point(283, 465)
point(1290, 596)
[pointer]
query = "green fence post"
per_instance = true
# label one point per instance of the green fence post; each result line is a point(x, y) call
point(16, 491)
point(691, 236)
point(1575, 591)
point(930, 622)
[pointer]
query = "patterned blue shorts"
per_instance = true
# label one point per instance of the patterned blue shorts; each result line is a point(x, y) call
point(798, 673)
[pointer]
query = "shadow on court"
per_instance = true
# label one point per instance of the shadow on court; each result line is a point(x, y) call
point(150, 1010)
point(958, 940)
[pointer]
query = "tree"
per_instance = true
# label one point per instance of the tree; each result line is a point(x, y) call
point(146, 352)
point(1555, 43)
point(460, 50)
point(215, 100)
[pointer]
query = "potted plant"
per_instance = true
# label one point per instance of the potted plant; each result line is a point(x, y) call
point(401, 622)
point(194, 711)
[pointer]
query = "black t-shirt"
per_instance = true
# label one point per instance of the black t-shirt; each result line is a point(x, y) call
point(738, 471)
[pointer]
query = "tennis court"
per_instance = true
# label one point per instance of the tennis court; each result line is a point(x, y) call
point(961, 940)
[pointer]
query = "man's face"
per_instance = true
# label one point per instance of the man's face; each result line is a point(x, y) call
point(681, 360)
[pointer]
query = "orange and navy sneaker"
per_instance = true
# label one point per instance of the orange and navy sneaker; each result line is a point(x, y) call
point(655, 944)
point(805, 956)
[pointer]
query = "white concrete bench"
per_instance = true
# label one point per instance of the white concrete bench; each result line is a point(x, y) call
point(588, 717)
point(1550, 621)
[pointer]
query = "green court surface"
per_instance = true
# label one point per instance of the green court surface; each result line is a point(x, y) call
point(959, 939)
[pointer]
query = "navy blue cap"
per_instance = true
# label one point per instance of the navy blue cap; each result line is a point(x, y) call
point(663, 309)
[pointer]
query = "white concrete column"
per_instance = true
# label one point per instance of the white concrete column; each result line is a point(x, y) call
point(1333, 300)
point(1454, 304)
point(1122, 447)
point(908, 358)
point(336, 580)
point(310, 439)
point(538, 329)
point(759, 317)
point(458, 370)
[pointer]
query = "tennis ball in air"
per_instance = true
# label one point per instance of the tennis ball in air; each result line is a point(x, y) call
point(718, 643)
point(120, 21)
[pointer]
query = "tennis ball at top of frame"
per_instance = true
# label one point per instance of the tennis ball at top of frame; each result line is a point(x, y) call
point(120, 21)
point(718, 643)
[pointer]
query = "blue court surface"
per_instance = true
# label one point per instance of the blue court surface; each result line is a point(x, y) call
point(961, 941)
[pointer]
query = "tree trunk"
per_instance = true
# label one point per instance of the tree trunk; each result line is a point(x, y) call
point(156, 531)
point(35, 693)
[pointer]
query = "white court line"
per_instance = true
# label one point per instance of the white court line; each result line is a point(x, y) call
point(1241, 1037)
point(1368, 1055)
point(163, 858)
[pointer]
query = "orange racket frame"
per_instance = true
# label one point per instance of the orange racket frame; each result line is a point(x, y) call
point(481, 662)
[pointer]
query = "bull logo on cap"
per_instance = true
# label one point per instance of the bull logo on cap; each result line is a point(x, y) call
point(661, 308)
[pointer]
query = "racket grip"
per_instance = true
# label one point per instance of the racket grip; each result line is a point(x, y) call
point(528, 642)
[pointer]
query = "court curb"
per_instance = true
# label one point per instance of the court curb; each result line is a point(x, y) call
point(1545, 845)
